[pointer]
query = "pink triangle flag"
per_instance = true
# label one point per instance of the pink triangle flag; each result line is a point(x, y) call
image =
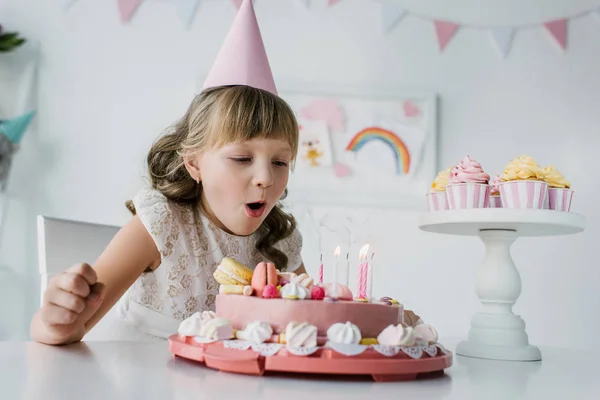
point(558, 30)
point(332, 2)
point(444, 31)
point(127, 8)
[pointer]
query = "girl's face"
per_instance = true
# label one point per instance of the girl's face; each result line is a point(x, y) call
point(242, 182)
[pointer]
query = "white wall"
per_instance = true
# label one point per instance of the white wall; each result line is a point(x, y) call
point(107, 90)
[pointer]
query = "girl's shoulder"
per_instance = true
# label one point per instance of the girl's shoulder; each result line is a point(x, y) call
point(167, 222)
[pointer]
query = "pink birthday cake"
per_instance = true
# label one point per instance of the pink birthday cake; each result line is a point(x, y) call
point(272, 315)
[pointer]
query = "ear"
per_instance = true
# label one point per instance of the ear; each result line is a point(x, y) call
point(192, 165)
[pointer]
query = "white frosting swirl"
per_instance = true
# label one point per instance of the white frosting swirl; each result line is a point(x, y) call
point(293, 289)
point(301, 334)
point(397, 336)
point(191, 326)
point(256, 332)
point(216, 329)
point(347, 333)
point(303, 280)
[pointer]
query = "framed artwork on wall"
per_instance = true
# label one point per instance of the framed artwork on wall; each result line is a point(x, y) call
point(363, 146)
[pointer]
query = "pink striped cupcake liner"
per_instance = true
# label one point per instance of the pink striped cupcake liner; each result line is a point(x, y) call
point(467, 195)
point(560, 199)
point(523, 194)
point(437, 201)
point(495, 201)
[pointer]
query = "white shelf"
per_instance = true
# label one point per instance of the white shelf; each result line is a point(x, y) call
point(496, 332)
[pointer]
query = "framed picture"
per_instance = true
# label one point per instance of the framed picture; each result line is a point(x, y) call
point(363, 146)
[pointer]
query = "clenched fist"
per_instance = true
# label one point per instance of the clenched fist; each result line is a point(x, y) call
point(70, 301)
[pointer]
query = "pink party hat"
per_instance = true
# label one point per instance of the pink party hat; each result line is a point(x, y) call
point(242, 59)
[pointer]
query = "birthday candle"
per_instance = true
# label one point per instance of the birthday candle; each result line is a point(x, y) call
point(335, 271)
point(370, 279)
point(347, 280)
point(321, 271)
point(363, 271)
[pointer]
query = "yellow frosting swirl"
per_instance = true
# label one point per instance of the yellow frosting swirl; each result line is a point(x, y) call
point(441, 180)
point(554, 178)
point(522, 168)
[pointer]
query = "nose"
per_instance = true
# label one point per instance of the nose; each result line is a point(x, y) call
point(263, 176)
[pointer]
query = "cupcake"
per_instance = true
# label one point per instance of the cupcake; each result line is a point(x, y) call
point(468, 186)
point(495, 200)
point(436, 199)
point(560, 194)
point(522, 184)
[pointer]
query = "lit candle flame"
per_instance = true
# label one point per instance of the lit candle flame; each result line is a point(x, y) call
point(336, 253)
point(363, 251)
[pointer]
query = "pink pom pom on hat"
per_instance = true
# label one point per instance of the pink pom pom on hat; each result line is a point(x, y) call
point(242, 59)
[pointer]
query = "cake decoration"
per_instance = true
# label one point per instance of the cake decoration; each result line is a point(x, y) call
point(271, 292)
point(300, 334)
point(231, 272)
point(317, 293)
point(236, 289)
point(264, 274)
point(303, 280)
point(256, 332)
point(560, 194)
point(191, 326)
point(213, 330)
point(397, 335)
point(295, 291)
point(344, 333)
point(426, 332)
point(554, 178)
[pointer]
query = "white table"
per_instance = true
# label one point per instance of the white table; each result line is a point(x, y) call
point(122, 370)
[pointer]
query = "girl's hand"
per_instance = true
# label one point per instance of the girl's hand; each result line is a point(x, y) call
point(70, 301)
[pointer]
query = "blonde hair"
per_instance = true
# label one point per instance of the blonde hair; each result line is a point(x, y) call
point(218, 116)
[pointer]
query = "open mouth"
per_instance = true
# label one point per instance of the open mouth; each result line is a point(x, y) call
point(256, 209)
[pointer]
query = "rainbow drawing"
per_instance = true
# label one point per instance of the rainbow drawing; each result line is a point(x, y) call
point(398, 147)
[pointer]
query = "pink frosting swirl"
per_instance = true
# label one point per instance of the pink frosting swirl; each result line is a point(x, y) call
point(468, 171)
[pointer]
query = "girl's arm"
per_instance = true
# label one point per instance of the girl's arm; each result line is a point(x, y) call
point(70, 309)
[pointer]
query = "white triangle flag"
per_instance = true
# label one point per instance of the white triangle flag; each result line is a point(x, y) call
point(596, 13)
point(502, 38)
point(305, 3)
point(391, 14)
point(187, 10)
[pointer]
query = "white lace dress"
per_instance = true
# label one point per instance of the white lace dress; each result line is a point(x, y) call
point(183, 283)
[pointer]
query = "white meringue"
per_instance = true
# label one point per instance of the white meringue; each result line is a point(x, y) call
point(208, 315)
point(294, 290)
point(426, 332)
point(301, 334)
point(303, 280)
point(347, 333)
point(216, 329)
point(191, 326)
point(397, 335)
point(256, 332)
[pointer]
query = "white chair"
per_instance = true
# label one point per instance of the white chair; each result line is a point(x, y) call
point(62, 243)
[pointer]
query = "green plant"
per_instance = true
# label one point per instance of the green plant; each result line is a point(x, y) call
point(9, 41)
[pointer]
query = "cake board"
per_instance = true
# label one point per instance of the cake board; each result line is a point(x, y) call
point(324, 361)
point(496, 332)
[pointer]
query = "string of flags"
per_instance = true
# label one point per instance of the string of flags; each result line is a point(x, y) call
point(392, 15)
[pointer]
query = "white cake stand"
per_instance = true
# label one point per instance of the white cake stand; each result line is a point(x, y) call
point(496, 332)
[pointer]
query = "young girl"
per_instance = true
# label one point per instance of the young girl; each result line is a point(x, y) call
point(216, 181)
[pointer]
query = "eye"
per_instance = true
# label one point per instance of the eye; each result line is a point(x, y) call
point(280, 163)
point(241, 160)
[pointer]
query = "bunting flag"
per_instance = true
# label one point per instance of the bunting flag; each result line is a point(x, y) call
point(391, 14)
point(558, 31)
point(502, 38)
point(15, 128)
point(127, 8)
point(186, 9)
point(444, 31)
